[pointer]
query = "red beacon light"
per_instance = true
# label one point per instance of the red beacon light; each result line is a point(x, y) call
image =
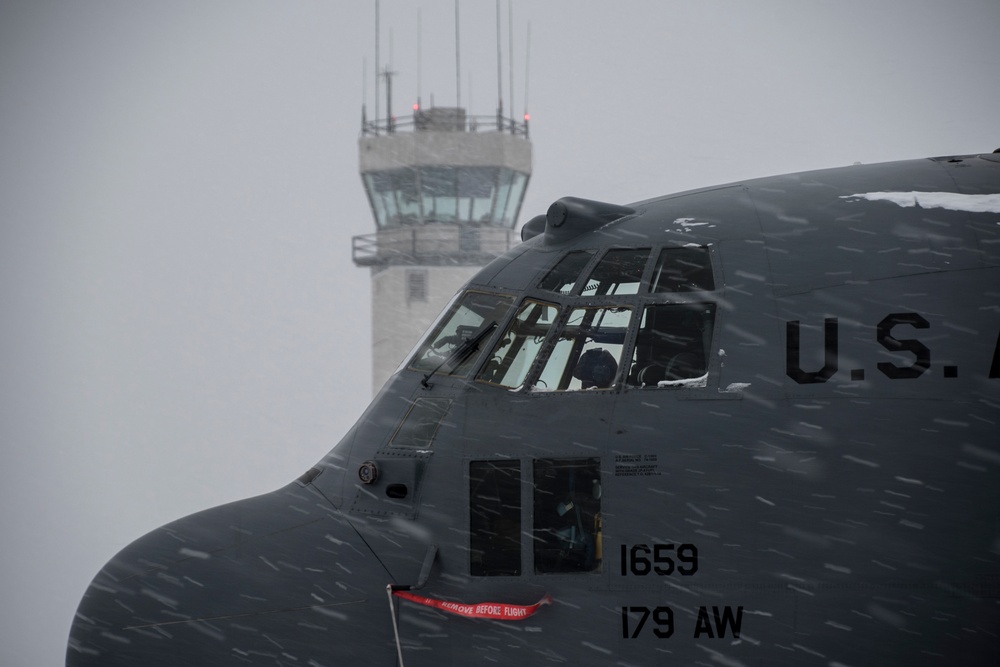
point(527, 117)
point(416, 106)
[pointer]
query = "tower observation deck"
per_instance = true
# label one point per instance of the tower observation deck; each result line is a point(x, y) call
point(445, 189)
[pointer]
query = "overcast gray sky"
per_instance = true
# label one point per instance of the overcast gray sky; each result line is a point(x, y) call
point(181, 322)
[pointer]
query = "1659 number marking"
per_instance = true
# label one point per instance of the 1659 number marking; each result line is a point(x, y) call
point(660, 559)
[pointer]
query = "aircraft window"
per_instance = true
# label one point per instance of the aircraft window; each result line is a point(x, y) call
point(421, 423)
point(494, 518)
point(683, 270)
point(467, 317)
point(513, 355)
point(567, 516)
point(672, 346)
point(563, 276)
point(588, 351)
point(618, 272)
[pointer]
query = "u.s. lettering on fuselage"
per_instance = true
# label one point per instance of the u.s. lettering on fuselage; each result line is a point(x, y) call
point(884, 336)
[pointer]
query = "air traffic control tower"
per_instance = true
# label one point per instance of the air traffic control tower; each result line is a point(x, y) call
point(445, 189)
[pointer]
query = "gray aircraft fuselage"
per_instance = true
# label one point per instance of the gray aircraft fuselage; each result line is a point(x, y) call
point(755, 424)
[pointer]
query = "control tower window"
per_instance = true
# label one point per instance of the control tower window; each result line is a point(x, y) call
point(567, 515)
point(503, 183)
point(395, 196)
point(618, 272)
point(516, 351)
point(587, 352)
point(494, 518)
point(563, 276)
point(682, 270)
point(438, 193)
point(672, 346)
point(463, 321)
point(417, 195)
point(506, 214)
point(475, 193)
point(380, 190)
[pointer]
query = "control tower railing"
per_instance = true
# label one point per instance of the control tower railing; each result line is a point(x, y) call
point(430, 120)
point(432, 244)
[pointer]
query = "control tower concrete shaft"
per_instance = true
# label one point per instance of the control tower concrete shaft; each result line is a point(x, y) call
point(445, 190)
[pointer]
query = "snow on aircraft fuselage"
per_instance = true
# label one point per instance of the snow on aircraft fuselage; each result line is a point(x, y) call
point(755, 424)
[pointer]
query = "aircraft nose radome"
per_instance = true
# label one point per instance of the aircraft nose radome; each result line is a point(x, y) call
point(279, 578)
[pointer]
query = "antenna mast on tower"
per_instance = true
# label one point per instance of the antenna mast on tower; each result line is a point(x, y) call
point(510, 52)
point(458, 66)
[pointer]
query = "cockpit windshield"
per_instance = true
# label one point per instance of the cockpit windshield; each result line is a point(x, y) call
point(466, 318)
point(687, 269)
point(564, 275)
point(515, 353)
point(672, 345)
point(618, 272)
point(632, 317)
point(587, 353)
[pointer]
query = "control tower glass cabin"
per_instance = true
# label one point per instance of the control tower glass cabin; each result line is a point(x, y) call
point(445, 190)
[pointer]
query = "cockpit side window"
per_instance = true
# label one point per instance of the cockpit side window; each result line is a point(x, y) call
point(682, 270)
point(494, 518)
point(618, 272)
point(466, 319)
point(587, 352)
point(672, 346)
point(516, 351)
point(564, 275)
point(567, 515)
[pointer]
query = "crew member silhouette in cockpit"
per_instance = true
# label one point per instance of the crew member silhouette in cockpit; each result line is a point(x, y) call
point(596, 369)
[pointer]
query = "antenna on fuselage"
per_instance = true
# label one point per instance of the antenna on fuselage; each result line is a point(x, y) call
point(570, 217)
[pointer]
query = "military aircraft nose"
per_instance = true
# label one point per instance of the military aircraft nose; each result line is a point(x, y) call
point(276, 579)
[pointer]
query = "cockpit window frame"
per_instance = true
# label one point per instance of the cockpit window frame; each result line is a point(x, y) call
point(673, 378)
point(583, 283)
point(585, 268)
point(637, 303)
point(556, 335)
point(537, 357)
point(650, 287)
point(470, 366)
